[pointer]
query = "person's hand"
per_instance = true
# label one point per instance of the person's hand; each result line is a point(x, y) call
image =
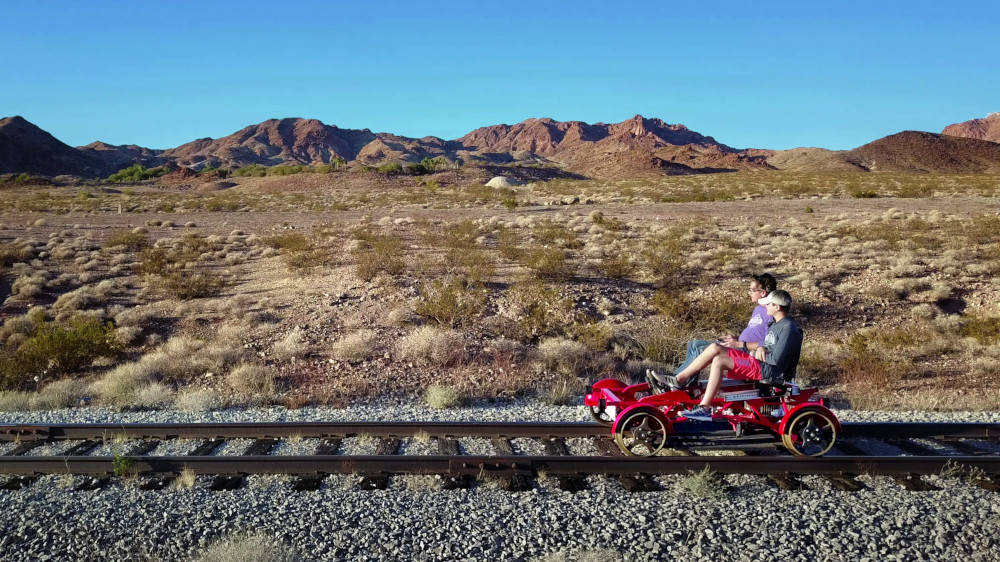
point(759, 354)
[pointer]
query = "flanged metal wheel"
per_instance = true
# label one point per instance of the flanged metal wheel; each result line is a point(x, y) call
point(602, 416)
point(810, 433)
point(642, 433)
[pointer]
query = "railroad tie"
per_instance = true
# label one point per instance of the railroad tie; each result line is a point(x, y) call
point(516, 483)
point(19, 482)
point(258, 447)
point(788, 481)
point(557, 446)
point(914, 483)
point(312, 482)
point(449, 447)
point(380, 481)
point(637, 483)
point(846, 482)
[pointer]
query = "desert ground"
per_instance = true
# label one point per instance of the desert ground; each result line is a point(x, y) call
point(347, 286)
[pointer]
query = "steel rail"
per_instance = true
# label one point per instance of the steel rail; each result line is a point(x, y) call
point(682, 431)
point(493, 465)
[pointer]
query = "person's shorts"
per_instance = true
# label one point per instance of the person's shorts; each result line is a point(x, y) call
point(745, 366)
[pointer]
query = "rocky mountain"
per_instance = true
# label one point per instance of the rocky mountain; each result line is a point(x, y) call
point(980, 129)
point(123, 156)
point(635, 147)
point(25, 148)
point(917, 151)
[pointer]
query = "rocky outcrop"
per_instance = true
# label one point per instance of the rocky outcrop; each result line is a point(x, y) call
point(981, 129)
point(25, 148)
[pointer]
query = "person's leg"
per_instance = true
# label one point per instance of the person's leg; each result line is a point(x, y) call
point(694, 349)
point(720, 365)
point(702, 361)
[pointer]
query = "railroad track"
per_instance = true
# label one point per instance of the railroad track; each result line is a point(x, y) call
point(972, 449)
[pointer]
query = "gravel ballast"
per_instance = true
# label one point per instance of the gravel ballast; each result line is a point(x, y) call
point(416, 520)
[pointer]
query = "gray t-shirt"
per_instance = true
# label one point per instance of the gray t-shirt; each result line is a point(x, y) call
point(783, 345)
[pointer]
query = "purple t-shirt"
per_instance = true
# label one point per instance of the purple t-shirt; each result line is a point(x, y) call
point(756, 328)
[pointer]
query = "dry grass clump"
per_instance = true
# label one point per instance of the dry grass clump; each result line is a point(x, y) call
point(563, 355)
point(197, 400)
point(248, 548)
point(705, 483)
point(356, 346)
point(292, 346)
point(15, 401)
point(58, 394)
point(451, 302)
point(429, 345)
point(253, 381)
point(185, 481)
point(377, 252)
point(153, 395)
point(442, 397)
point(535, 310)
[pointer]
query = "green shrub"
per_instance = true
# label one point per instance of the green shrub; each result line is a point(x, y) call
point(11, 253)
point(703, 484)
point(984, 329)
point(390, 168)
point(378, 252)
point(548, 263)
point(442, 397)
point(183, 284)
point(538, 310)
point(285, 170)
point(57, 348)
point(616, 266)
point(136, 173)
point(153, 261)
point(132, 240)
point(252, 171)
point(450, 303)
point(864, 194)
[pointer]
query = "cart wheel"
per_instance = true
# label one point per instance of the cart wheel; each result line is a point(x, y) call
point(810, 433)
point(601, 416)
point(642, 433)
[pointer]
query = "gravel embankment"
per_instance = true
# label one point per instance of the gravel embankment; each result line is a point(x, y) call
point(415, 520)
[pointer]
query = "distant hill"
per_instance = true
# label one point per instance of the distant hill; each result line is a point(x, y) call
point(917, 151)
point(24, 148)
point(980, 129)
point(638, 146)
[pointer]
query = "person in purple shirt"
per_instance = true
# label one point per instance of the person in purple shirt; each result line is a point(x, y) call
point(751, 337)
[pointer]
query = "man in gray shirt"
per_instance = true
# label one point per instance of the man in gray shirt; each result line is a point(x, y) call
point(775, 362)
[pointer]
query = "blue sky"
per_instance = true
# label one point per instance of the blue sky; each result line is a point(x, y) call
point(763, 74)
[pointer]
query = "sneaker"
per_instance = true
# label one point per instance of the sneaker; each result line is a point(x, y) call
point(656, 384)
point(673, 384)
point(701, 413)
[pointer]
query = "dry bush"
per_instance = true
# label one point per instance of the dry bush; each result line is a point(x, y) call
point(451, 302)
point(197, 400)
point(292, 346)
point(663, 340)
point(537, 310)
point(253, 381)
point(186, 481)
point(442, 397)
point(120, 386)
point(248, 548)
point(12, 252)
point(377, 252)
point(154, 395)
point(551, 264)
point(563, 355)
point(58, 394)
point(15, 401)
point(357, 346)
point(130, 240)
point(429, 345)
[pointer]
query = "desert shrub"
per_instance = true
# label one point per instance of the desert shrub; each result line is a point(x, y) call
point(713, 314)
point(548, 263)
point(59, 394)
point(663, 256)
point(120, 386)
point(865, 372)
point(15, 401)
point(185, 284)
point(563, 355)
point(442, 397)
point(251, 171)
point(595, 336)
point(390, 168)
point(248, 548)
point(984, 329)
point(11, 253)
point(551, 233)
point(562, 391)
point(662, 340)
point(292, 346)
point(508, 244)
point(705, 483)
point(355, 347)
point(153, 395)
point(153, 261)
point(132, 240)
point(253, 381)
point(136, 173)
point(376, 253)
point(57, 348)
point(537, 310)
point(450, 303)
point(428, 345)
point(616, 265)
point(197, 400)
point(294, 242)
